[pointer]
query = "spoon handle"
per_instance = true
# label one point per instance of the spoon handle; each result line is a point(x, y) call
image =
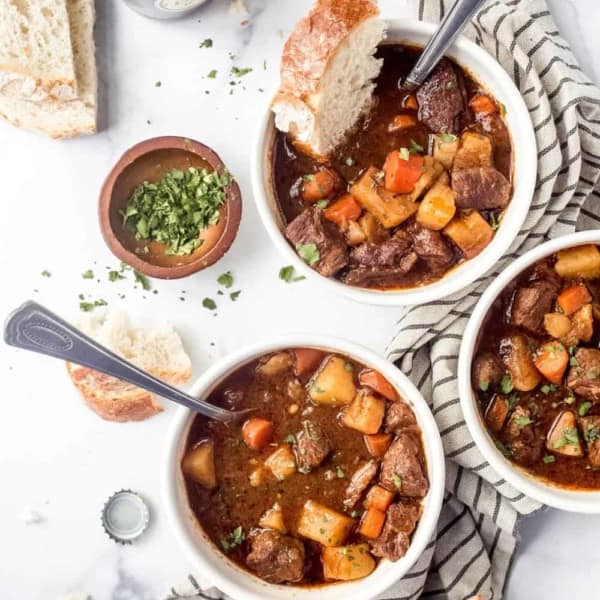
point(452, 24)
point(35, 328)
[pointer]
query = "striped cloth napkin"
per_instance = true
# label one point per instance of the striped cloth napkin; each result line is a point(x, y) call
point(476, 537)
point(477, 533)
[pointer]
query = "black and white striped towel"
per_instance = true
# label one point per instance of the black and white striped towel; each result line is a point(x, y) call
point(478, 529)
point(477, 532)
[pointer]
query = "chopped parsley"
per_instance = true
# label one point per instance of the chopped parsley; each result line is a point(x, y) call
point(209, 303)
point(592, 374)
point(548, 459)
point(506, 384)
point(177, 208)
point(523, 420)
point(237, 72)
point(583, 409)
point(573, 361)
point(158, 84)
point(89, 274)
point(207, 43)
point(212, 74)
point(349, 161)
point(415, 148)
point(287, 274)
point(504, 449)
point(235, 538)
point(235, 295)
point(309, 253)
point(591, 434)
point(115, 275)
point(46, 273)
point(339, 472)
point(493, 222)
point(289, 439)
point(447, 138)
point(570, 437)
point(547, 388)
point(322, 203)
point(142, 280)
point(484, 386)
point(225, 279)
point(397, 481)
point(90, 306)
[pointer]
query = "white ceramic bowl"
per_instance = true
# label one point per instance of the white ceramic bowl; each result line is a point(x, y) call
point(240, 584)
point(490, 74)
point(565, 499)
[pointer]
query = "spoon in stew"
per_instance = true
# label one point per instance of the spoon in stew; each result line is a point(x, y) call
point(451, 25)
point(33, 327)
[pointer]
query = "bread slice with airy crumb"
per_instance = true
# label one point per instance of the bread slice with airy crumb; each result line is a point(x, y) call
point(36, 55)
point(64, 118)
point(158, 350)
point(327, 72)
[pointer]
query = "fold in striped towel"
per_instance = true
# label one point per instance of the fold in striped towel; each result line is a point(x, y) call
point(477, 533)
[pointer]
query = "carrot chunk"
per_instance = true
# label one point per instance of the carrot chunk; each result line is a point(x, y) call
point(402, 170)
point(571, 299)
point(551, 360)
point(482, 104)
point(410, 102)
point(378, 443)
point(378, 497)
point(400, 122)
point(306, 359)
point(257, 433)
point(318, 186)
point(376, 381)
point(343, 210)
point(372, 523)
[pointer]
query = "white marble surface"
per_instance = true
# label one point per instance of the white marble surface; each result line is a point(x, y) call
point(58, 458)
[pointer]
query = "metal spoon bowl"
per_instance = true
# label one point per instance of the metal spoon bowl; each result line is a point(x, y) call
point(451, 25)
point(33, 327)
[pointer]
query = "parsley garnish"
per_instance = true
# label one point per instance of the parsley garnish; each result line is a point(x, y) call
point(322, 203)
point(309, 253)
point(287, 274)
point(289, 439)
point(548, 459)
point(493, 222)
point(207, 43)
point(212, 74)
point(209, 303)
point(506, 384)
point(226, 279)
point(569, 437)
point(339, 472)
point(234, 295)
point(484, 386)
point(348, 367)
point(583, 409)
point(240, 72)
point(397, 481)
point(89, 274)
point(523, 420)
point(547, 388)
point(349, 161)
point(142, 280)
point(46, 273)
point(115, 275)
point(235, 538)
point(415, 148)
point(448, 137)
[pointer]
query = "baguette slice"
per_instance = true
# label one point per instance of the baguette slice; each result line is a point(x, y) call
point(60, 119)
point(36, 56)
point(158, 350)
point(327, 72)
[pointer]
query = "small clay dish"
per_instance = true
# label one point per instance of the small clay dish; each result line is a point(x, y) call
point(147, 161)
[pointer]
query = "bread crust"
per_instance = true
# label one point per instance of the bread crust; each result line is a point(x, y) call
point(314, 41)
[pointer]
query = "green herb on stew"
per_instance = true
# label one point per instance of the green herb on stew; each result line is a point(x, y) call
point(349, 161)
point(447, 137)
point(177, 208)
point(235, 538)
point(591, 434)
point(415, 148)
point(549, 459)
point(348, 367)
point(289, 439)
point(484, 386)
point(322, 203)
point(583, 409)
point(158, 84)
point(570, 437)
point(90, 306)
point(493, 222)
point(309, 253)
point(506, 384)
point(504, 449)
point(339, 472)
point(397, 481)
point(548, 388)
point(523, 420)
point(287, 274)
point(209, 303)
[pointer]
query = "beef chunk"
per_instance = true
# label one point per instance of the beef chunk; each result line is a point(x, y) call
point(276, 557)
point(359, 482)
point(311, 447)
point(310, 227)
point(487, 370)
point(525, 446)
point(431, 247)
point(482, 188)
point(401, 468)
point(590, 426)
point(399, 417)
point(531, 302)
point(394, 539)
point(440, 98)
point(382, 276)
point(384, 254)
point(584, 377)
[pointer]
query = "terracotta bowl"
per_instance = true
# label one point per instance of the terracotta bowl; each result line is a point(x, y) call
point(147, 161)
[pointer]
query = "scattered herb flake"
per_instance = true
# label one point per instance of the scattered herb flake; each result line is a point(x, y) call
point(235, 538)
point(235, 295)
point(447, 137)
point(523, 420)
point(583, 409)
point(89, 274)
point(339, 472)
point(158, 84)
point(309, 253)
point(287, 274)
point(349, 161)
point(209, 303)
point(207, 43)
point(46, 273)
point(115, 275)
point(321, 203)
point(142, 280)
point(484, 386)
point(506, 384)
point(237, 72)
point(289, 439)
point(397, 481)
point(549, 458)
point(225, 279)
point(415, 148)
point(212, 74)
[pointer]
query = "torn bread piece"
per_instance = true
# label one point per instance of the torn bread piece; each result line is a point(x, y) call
point(158, 350)
point(327, 72)
point(62, 119)
point(36, 55)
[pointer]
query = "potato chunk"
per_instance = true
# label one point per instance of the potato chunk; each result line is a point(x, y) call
point(347, 562)
point(390, 209)
point(333, 383)
point(324, 525)
point(365, 413)
point(445, 147)
point(581, 261)
point(475, 151)
point(199, 464)
point(273, 519)
point(519, 362)
point(470, 232)
point(281, 462)
point(557, 325)
point(563, 437)
point(275, 364)
point(437, 207)
point(432, 170)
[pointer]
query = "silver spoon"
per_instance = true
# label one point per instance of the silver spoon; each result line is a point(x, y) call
point(451, 25)
point(33, 327)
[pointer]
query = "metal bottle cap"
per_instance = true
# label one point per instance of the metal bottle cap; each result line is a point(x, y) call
point(125, 516)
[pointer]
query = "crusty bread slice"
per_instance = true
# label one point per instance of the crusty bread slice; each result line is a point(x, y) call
point(60, 119)
point(327, 72)
point(158, 350)
point(36, 56)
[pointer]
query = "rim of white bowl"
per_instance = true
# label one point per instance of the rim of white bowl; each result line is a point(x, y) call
point(241, 584)
point(487, 71)
point(580, 501)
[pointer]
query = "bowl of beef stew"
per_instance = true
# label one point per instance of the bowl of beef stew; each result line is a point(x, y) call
point(332, 485)
point(529, 373)
point(426, 193)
